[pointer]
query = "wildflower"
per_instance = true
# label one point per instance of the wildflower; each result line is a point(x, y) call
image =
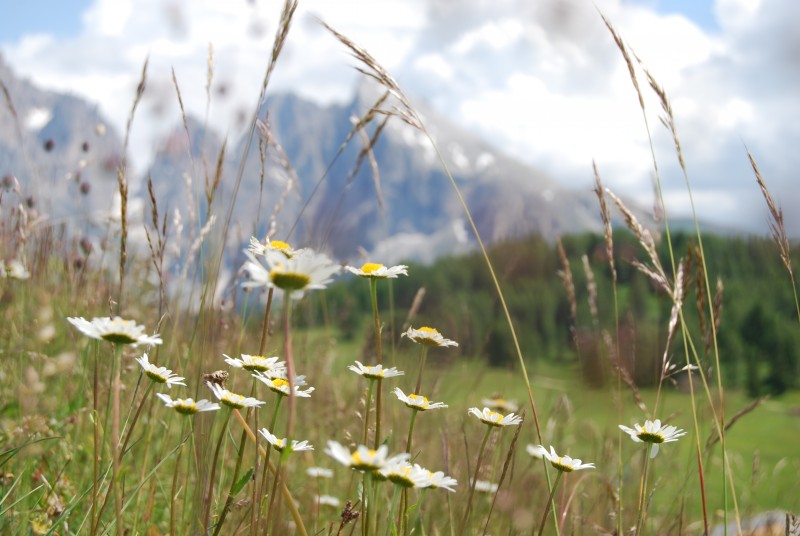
point(363, 459)
point(375, 372)
point(14, 269)
point(497, 403)
point(439, 480)
point(328, 500)
point(565, 464)
point(535, 451)
point(485, 486)
point(305, 270)
point(258, 248)
point(319, 472)
point(255, 363)
point(233, 400)
point(280, 444)
point(492, 418)
point(653, 433)
point(159, 374)
point(187, 406)
point(114, 330)
point(417, 402)
point(427, 337)
point(406, 475)
point(378, 271)
point(280, 385)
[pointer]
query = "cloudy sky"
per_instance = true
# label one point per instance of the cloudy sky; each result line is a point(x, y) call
point(541, 80)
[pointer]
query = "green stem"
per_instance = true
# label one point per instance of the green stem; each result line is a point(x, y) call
point(229, 500)
point(391, 525)
point(411, 429)
point(549, 505)
point(265, 327)
point(208, 498)
point(475, 478)
point(423, 354)
point(373, 291)
point(643, 489)
point(267, 453)
point(367, 406)
point(96, 459)
point(115, 435)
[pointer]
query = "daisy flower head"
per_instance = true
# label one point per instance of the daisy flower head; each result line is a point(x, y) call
point(492, 418)
point(496, 402)
point(280, 444)
point(653, 433)
point(376, 372)
point(233, 400)
point(485, 486)
point(378, 271)
point(328, 500)
point(319, 472)
point(187, 406)
point(363, 459)
point(159, 374)
point(305, 270)
point(277, 246)
point(565, 464)
point(280, 384)
point(255, 363)
point(427, 337)
point(417, 402)
point(14, 269)
point(439, 480)
point(114, 330)
point(406, 475)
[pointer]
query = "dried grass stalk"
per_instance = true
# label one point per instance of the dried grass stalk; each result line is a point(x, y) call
point(606, 216)
point(565, 274)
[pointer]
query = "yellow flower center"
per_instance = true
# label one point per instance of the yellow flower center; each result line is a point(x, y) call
point(360, 463)
point(561, 466)
point(418, 400)
point(185, 407)
point(279, 382)
point(371, 267)
point(279, 244)
point(494, 416)
point(429, 331)
point(288, 280)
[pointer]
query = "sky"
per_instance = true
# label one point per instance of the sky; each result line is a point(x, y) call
point(542, 81)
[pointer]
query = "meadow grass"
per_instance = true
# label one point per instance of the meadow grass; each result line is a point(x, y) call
point(88, 447)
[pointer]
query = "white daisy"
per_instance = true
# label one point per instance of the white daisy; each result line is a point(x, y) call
point(653, 433)
point(535, 451)
point(261, 248)
point(417, 402)
point(280, 444)
point(497, 403)
point(187, 406)
point(14, 269)
point(485, 486)
point(406, 475)
point(319, 472)
point(280, 384)
point(378, 271)
point(114, 330)
point(440, 480)
point(363, 459)
point(159, 374)
point(233, 400)
point(428, 337)
point(492, 418)
point(565, 464)
point(306, 270)
point(328, 500)
point(255, 363)
point(375, 372)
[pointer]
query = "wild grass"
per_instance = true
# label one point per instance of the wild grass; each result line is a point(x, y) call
point(88, 448)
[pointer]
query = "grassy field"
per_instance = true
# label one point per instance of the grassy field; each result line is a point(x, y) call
point(88, 447)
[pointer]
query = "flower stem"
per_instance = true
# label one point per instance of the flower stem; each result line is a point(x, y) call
point(423, 354)
point(229, 500)
point(549, 505)
point(373, 291)
point(265, 327)
point(368, 405)
point(96, 458)
point(475, 479)
point(115, 435)
point(643, 489)
point(391, 526)
point(207, 498)
point(411, 429)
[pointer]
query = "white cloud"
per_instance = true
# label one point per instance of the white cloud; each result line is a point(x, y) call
point(543, 80)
